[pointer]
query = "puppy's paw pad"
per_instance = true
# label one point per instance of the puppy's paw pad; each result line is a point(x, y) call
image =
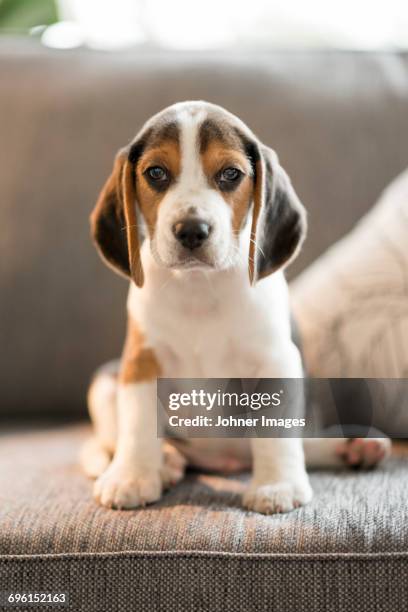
point(119, 488)
point(364, 452)
point(174, 465)
point(274, 498)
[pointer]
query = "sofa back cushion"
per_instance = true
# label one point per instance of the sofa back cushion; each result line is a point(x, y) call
point(334, 118)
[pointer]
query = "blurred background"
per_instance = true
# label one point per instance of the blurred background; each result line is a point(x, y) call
point(182, 24)
point(323, 83)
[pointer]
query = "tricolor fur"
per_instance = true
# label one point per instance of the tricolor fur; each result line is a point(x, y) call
point(202, 219)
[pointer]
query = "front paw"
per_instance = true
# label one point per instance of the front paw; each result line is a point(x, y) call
point(122, 487)
point(276, 497)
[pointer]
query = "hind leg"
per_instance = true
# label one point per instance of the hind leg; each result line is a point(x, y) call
point(94, 458)
point(340, 452)
point(97, 452)
point(174, 465)
point(363, 452)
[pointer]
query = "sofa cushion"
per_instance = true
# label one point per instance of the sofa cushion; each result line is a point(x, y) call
point(351, 305)
point(335, 119)
point(46, 506)
point(197, 549)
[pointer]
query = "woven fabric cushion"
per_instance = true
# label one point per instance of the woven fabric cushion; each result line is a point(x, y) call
point(69, 307)
point(352, 303)
point(198, 550)
point(46, 506)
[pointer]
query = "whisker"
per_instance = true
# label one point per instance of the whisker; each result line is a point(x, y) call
point(257, 246)
point(151, 227)
point(160, 289)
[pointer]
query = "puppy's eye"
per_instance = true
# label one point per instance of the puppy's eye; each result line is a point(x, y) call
point(229, 178)
point(157, 174)
point(229, 175)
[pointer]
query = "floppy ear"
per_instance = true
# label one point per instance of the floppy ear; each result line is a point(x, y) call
point(278, 218)
point(114, 223)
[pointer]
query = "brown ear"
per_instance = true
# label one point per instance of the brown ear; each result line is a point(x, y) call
point(114, 224)
point(278, 218)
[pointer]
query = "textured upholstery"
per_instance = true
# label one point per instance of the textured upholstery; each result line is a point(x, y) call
point(47, 507)
point(216, 582)
point(334, 118)
point(197, 544)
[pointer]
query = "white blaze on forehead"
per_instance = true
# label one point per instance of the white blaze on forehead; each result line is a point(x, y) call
point(192, 174)
point(193, 194)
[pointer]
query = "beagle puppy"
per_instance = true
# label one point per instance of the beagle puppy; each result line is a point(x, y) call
point(202, 219)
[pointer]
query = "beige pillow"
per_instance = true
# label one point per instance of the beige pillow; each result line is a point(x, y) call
point(352, 304)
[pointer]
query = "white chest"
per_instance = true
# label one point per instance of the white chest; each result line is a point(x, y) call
point(211, 329)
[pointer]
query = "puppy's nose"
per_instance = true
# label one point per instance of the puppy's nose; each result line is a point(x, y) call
point(191, 232)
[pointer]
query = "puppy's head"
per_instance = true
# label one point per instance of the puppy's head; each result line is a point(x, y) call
point(190, 183)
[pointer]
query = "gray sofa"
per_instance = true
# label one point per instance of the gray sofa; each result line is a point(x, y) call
point(337, 121)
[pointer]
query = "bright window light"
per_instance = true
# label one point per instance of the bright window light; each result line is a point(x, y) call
point(63, 35)
point(190, 24)
point(105, 24)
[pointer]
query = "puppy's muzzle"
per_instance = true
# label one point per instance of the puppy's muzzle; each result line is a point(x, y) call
point(191, 233)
